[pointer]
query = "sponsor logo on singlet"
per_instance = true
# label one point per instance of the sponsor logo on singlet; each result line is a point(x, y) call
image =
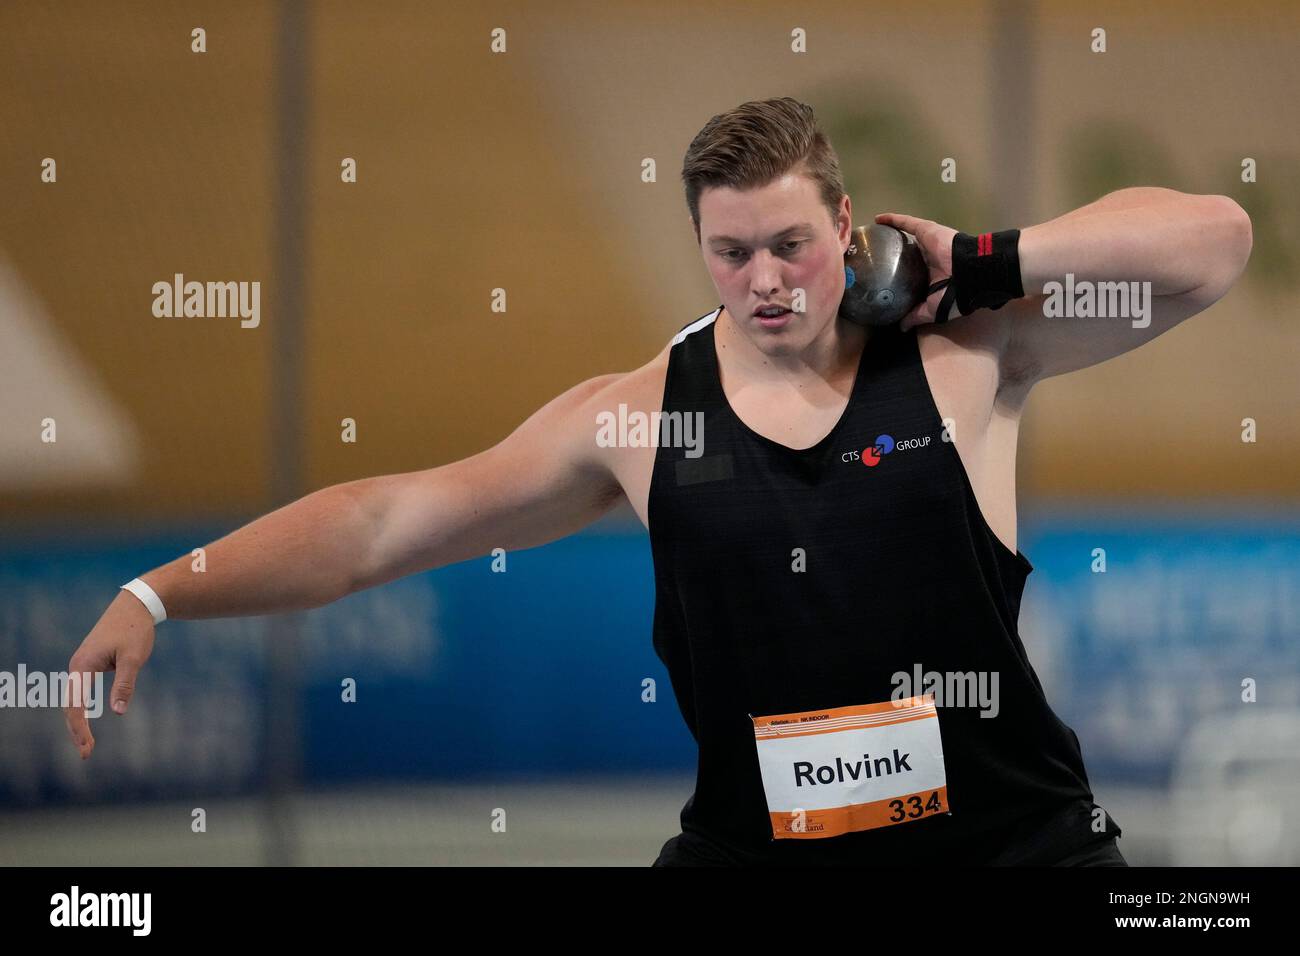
point(874, 453)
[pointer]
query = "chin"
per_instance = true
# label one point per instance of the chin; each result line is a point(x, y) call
point(786, 341)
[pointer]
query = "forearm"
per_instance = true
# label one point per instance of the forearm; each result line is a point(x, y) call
point(1175, 241)
point(303, 555)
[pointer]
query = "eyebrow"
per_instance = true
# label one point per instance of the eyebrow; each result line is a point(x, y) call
point(798, 227)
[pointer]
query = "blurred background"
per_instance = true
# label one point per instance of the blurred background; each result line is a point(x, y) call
point(482, 694)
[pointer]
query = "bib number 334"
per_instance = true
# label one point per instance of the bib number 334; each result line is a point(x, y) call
point(830, 772)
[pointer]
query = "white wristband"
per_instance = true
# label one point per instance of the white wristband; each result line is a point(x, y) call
point(148, 597)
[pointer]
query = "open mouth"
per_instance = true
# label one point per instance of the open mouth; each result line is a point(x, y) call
point(772, 317)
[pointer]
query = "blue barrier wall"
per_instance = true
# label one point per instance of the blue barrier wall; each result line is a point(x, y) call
point(463, 673)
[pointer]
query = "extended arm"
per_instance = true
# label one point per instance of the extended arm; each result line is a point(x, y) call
point(544, 481)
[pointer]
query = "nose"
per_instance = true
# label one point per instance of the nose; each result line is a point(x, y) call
point(765, 274)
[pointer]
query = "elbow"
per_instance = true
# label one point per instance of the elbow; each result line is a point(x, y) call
point(1233, 237)
point(365, 502)
point(1238, 236)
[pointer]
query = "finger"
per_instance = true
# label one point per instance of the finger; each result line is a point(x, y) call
point(124, 677)
point(917, 316)
point(79, 730)
point(899, 221)
point(74, 715)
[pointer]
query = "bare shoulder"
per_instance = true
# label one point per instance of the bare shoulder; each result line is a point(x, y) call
point(641, 389)
point(964, 360)
point(573, 418)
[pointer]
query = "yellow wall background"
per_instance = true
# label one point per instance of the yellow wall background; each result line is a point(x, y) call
point(522, 171)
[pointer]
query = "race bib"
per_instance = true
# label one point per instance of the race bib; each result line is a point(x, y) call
point(830, 772)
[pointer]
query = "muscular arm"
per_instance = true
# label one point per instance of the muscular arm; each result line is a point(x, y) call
point(542, 482)
point(1190, 248)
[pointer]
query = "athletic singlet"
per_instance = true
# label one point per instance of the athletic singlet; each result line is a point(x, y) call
point(901, 573)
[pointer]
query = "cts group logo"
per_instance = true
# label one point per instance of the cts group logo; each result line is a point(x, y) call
point(882, 446)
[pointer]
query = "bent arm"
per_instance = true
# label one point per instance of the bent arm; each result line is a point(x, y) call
point(541, 483)
point(1179, 242)
point(1190, 248)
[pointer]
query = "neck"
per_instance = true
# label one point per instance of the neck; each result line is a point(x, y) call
point(835, 350)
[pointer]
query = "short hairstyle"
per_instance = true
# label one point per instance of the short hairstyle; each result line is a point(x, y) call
point(757, 143)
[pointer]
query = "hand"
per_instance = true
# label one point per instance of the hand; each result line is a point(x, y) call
point(121, 641)
point(935, 241)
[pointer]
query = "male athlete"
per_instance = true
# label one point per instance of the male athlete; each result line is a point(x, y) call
point(848, 522)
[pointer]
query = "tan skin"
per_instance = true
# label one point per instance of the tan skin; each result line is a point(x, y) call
point(549, 478)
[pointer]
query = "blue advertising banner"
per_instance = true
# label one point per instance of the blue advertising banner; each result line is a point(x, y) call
point(547, 667)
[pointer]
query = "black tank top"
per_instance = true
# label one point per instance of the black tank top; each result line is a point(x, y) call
point(902, 573)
